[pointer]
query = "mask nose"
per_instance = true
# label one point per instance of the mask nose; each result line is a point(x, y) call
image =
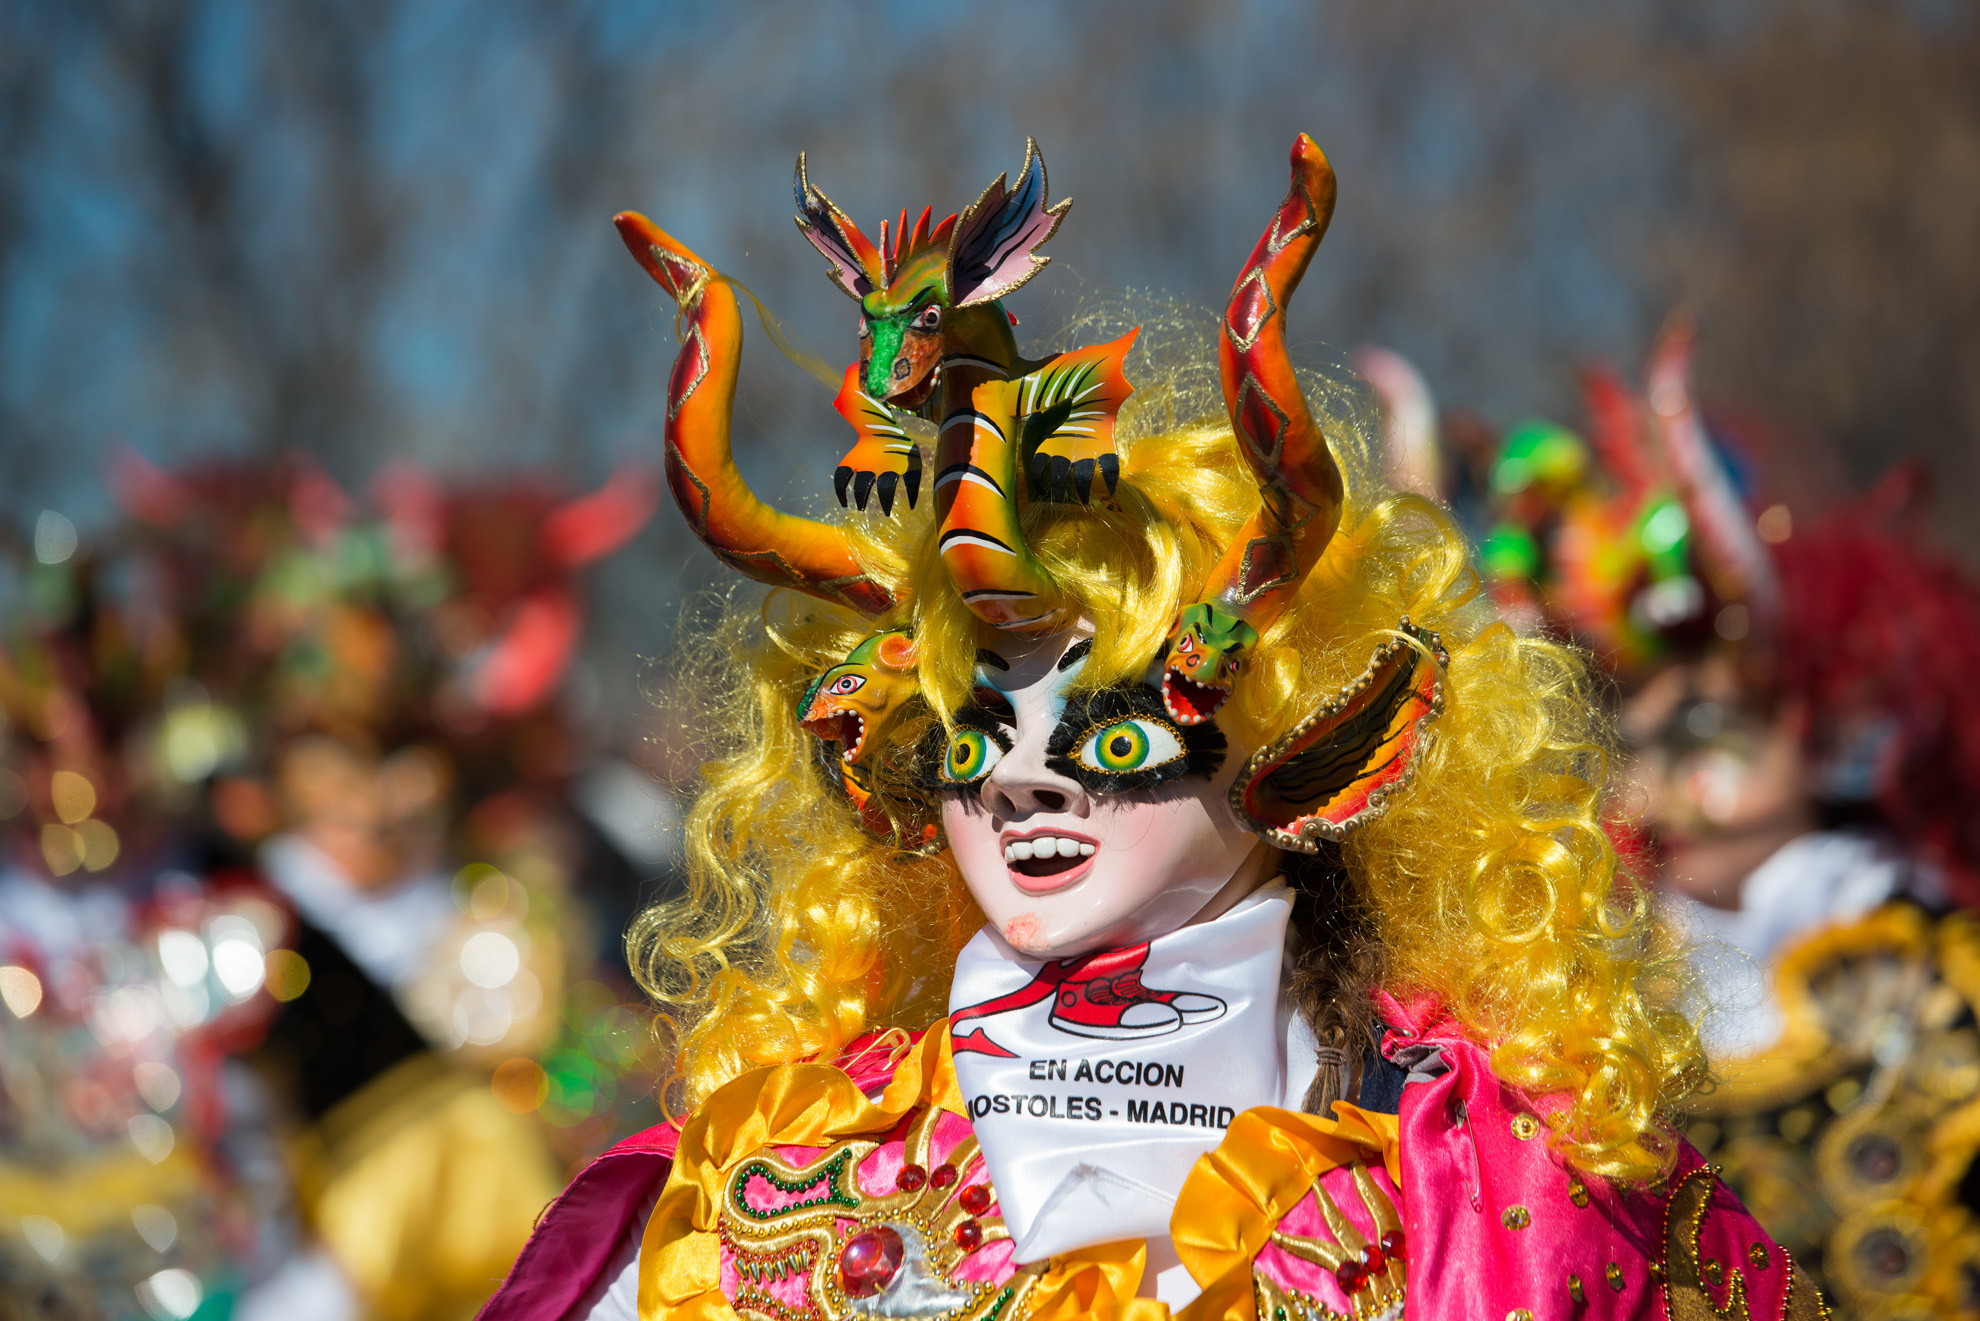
point(1031, 791)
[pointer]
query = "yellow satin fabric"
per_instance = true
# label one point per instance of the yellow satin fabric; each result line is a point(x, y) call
point(815, 1105)
point(1237, 1195)
point(424, 1189)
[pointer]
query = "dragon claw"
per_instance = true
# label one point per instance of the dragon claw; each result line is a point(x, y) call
point(840, 478)
point(1082, 473)
point(862, 487)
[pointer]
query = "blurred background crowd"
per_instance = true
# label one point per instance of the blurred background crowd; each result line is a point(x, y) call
point(342, 724)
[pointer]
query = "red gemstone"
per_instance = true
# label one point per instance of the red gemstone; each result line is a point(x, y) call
point(1392, 1245)
point(911, 1179)
point(975, 1199)
point(1372, 1260)
point(969, 1235)
point(945, 1176)
point(869, 1261)
point(1350, 1275)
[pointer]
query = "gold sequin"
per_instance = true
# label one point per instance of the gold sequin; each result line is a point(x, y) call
point(1524, 1126)
point(1519, 1314)
point(1657, 1271)
point(1516, 1217)
point(1614, 1272)
point(1712, 1271)
point(1574, 1289)
point(1577, 1192)
point(1757, 1254)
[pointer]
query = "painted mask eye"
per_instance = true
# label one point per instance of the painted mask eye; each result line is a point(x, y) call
point(846, 683)
point(1129, 745)
point(972, 754)
point(930, 318)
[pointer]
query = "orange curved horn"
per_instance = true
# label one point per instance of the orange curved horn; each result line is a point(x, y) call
point(1299, 484)
point(1297, 475)
point(780, 549)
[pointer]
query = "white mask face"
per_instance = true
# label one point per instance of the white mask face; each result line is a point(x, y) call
point(1060, 853)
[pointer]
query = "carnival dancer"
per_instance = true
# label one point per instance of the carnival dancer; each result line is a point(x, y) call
point(1196, 734)
point(141, 1166)
point(259, 1080)
point(1807, 761)
point(401, 796)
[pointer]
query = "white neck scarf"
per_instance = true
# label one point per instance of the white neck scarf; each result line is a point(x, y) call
point(1095, 1083)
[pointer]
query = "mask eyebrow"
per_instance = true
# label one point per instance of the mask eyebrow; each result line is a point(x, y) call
point(987, 701)
point(1076, 653)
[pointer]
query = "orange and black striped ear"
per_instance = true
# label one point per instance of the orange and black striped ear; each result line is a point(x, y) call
point(1338, 767)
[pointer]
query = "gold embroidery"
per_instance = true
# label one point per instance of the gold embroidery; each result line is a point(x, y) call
point(1276, 1304)
point(1757, 1254)
point(1342, 1250)
point(1881, 1253)
point(1795, 1304)
point(1863, 1114)
point(1687, 1269)
point(782, 1227)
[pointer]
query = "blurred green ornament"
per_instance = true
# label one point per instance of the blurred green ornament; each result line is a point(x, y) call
point(1510, 552)
point(1539, 454)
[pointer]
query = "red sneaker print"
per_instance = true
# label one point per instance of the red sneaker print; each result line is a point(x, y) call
point(1096, 995)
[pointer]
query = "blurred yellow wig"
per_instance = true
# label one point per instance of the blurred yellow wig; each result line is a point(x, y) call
point(1492, 883)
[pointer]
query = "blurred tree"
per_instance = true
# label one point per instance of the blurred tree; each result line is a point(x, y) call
point(379, 228)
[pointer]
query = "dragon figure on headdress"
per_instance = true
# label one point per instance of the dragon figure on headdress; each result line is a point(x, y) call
point(936, 348)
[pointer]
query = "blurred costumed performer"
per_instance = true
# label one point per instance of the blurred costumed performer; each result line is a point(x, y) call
point(140, 1164)
point(309, 664)
point(409, 711)
point(1259, 870)
point(1808, 754)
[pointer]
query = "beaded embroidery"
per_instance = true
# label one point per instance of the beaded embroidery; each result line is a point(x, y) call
point(1369, 1274)
point(785, 1230)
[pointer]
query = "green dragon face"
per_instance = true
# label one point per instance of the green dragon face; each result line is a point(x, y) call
point(1202, 661)
point(900, 333)
point(926, 288)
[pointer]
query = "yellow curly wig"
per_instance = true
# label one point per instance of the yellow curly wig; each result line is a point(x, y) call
point(1493, 885)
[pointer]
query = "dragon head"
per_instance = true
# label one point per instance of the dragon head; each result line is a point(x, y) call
point(923, 293)
point(854, 703)
point(1202, 662)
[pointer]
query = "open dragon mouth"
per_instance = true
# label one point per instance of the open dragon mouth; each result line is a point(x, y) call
point(917, 395)
point(843, 728)
point(1190, 702)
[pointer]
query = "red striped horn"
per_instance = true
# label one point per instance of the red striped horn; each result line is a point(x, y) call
point(780, 549)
